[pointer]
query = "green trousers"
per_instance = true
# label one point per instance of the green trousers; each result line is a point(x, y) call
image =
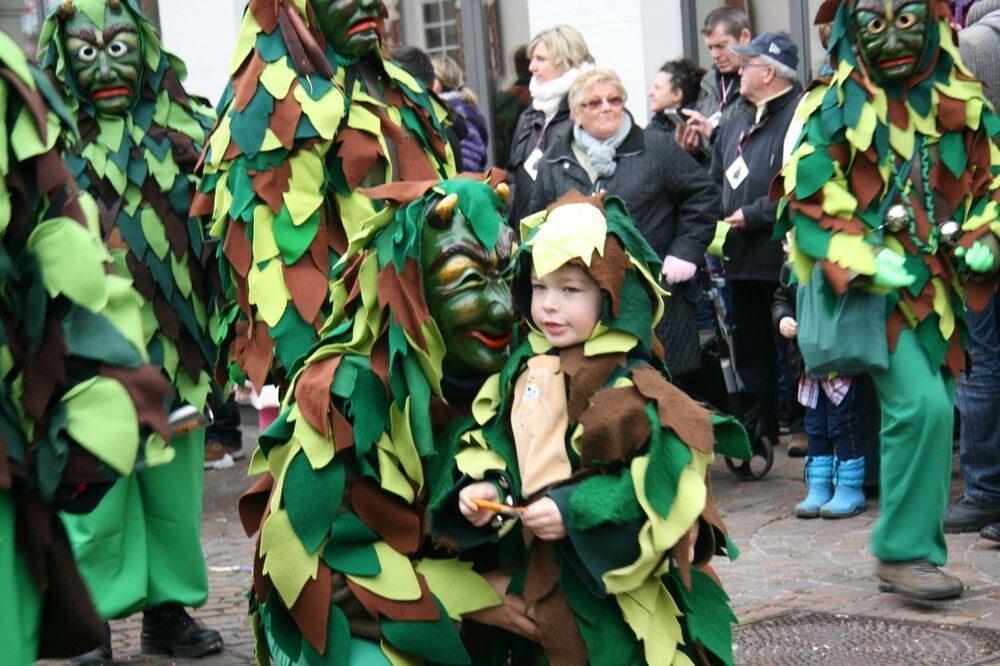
point(918, 404)
point(141, 546)
point(20, 603)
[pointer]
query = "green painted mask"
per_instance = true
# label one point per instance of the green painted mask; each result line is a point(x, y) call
point(107, 63)
point(351, 26)
point(891, 36)
point(468, 295)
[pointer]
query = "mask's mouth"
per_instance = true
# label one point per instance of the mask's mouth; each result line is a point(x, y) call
point(897, 62)
point(105, 93)
point(362, 25)
point(495, 341)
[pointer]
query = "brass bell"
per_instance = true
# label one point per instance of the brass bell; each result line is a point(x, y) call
point(897, 218)
point(950, 231)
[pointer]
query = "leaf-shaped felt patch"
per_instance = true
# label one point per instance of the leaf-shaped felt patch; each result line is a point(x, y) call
point(436, 641)
point(952, 149)
point(668, 456)
point(71, 262)
point(101, 417)
point(286, 560)
point(396, 580)
point(294, 239)
point(268, 291)
point(312, 498)
point(707, 612)
point(351, 548)
point(338, 637)
point(459, 589)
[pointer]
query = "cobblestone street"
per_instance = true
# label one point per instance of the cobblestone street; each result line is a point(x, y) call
point(786, 564)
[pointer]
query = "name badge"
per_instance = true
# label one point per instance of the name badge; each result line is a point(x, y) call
point(737, 172)
point(531, 164)
point(715, 119)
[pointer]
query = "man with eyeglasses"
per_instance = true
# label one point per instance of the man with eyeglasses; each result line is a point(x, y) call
point(746, 155)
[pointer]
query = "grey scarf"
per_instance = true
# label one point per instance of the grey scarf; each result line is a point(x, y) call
point(601, 154)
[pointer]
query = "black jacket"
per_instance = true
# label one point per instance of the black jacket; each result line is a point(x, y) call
point(531, 132)
point(783, 306)
point(750, 252)
point(674, 204)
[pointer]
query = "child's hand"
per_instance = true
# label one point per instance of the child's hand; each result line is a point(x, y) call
point(484, 491)
point(544, 520)
point(788, 327)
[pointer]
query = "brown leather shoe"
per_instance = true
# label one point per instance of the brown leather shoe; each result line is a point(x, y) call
point(917, 579)
point(797, 445)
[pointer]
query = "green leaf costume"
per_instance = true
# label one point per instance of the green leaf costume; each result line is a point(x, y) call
point(620, 588)
point(79, 403)
point(140, 166)
point(301, 129)
point(857, 139)
point(343, 569)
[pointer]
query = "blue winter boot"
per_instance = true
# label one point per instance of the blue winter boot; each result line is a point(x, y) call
point(819, 480)
point(848, 497)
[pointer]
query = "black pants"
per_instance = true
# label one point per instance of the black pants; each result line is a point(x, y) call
point(754, 345)
point(226, 427)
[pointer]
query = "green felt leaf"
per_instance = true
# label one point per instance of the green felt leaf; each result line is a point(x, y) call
point(294, 240)
point(731, 437)
point(286, 560)
point(155, 232)
point(351, 548)
point(91, 336)
point(707, 613)
point(312, 498)
point(397, 580)
point(606, 498)
point(668, 456)
point(952, 149)
point(814, 170)
point(338, 634)
point(810, 237)
point(436, 641)
point(102, 419)
point(284, 638)
point(72, 263)
point(459, 589)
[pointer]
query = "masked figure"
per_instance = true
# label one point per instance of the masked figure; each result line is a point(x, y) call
point(422, 313)
point(79, 403)
point(891, 191)
point(141, 135)
point(313, 113)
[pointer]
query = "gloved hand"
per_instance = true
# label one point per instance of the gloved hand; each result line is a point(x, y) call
point(890, 270)
point(677, 270)
point(979, 258)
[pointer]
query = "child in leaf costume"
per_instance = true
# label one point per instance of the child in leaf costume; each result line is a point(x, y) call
point(583, 426)
point(312, 114)
point(141, 136)
point(892, 188)
point(422, 312)
point(79, 403)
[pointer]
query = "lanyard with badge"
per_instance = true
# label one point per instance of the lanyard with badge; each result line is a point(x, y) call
point(716, 117)
point(531, 163)
point(738, 170)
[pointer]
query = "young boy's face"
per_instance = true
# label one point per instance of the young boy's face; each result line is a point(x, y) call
point(565, 305)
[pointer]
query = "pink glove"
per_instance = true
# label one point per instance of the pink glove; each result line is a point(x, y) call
point(677, 270)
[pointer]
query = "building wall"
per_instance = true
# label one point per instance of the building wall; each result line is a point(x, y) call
point(513, 33)
point(631, 37)
point(203, 34)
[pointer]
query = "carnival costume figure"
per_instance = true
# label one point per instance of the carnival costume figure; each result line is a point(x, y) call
point(313, 113)
point(891, 191)
point(584, 417)
point(422, 312)
point(80, 404)
point(141, 136)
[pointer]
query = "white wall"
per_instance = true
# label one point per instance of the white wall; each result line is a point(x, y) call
point(631, 37)
point(513, 33)
point(203, 34)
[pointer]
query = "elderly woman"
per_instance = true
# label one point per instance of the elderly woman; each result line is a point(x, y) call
point(558, 55)
point(671, 198)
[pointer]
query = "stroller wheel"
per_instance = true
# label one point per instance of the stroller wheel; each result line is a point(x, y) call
point(760, 462)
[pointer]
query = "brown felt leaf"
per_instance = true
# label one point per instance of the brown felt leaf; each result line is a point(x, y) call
point(690, 420)
point(308, 286)
point(950, 113)
point(403, 294)
point(258, 355)
point(898, 115)
point(423, 609)
point(402, 192)
point(266, 14)
point(343, 431)
point(166, 317)
point(271, 185)
point(866, 182)
point(311, 610)
point(149, 391)
point(237, 247)
point(285, 118)
point(312, 393)
point(575, 196)
point(44, 370)
point(838, 277)
point(682, 558)
point(609, 271)
point(587, 376)
point(359, 151)
point(395, 521)
point(252, 504)
point(615, 425)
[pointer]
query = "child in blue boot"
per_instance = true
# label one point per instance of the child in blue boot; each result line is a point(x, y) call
point(835, 461)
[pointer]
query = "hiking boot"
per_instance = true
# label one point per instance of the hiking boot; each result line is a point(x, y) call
point(100, 656)
point(991, 532)
point(797, 445)
point(967, 516)
point(917, 579)
point(168, 629)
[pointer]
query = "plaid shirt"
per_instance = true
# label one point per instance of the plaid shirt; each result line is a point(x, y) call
point(835, 389)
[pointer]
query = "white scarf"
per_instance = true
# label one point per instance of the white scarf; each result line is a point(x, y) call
point(546, 97)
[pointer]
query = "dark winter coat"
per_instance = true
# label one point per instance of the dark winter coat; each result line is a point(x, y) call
point(674, 204)
point(477, 136)
point(784, 306)
point(750, 253)
point(532, 132)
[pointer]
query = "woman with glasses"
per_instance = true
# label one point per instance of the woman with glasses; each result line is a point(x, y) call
point(671, 198)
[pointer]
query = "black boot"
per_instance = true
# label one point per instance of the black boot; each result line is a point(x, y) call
point(168, 629)
point(99, 656)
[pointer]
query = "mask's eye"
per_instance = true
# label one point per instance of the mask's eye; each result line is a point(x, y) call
point(906, 20)
point(876, 26)
point(117, 48)
point(87, 53)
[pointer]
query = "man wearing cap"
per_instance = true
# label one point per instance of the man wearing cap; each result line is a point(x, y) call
point(746, 155)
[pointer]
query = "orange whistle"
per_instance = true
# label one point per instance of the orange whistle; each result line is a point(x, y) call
point(498, 508)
